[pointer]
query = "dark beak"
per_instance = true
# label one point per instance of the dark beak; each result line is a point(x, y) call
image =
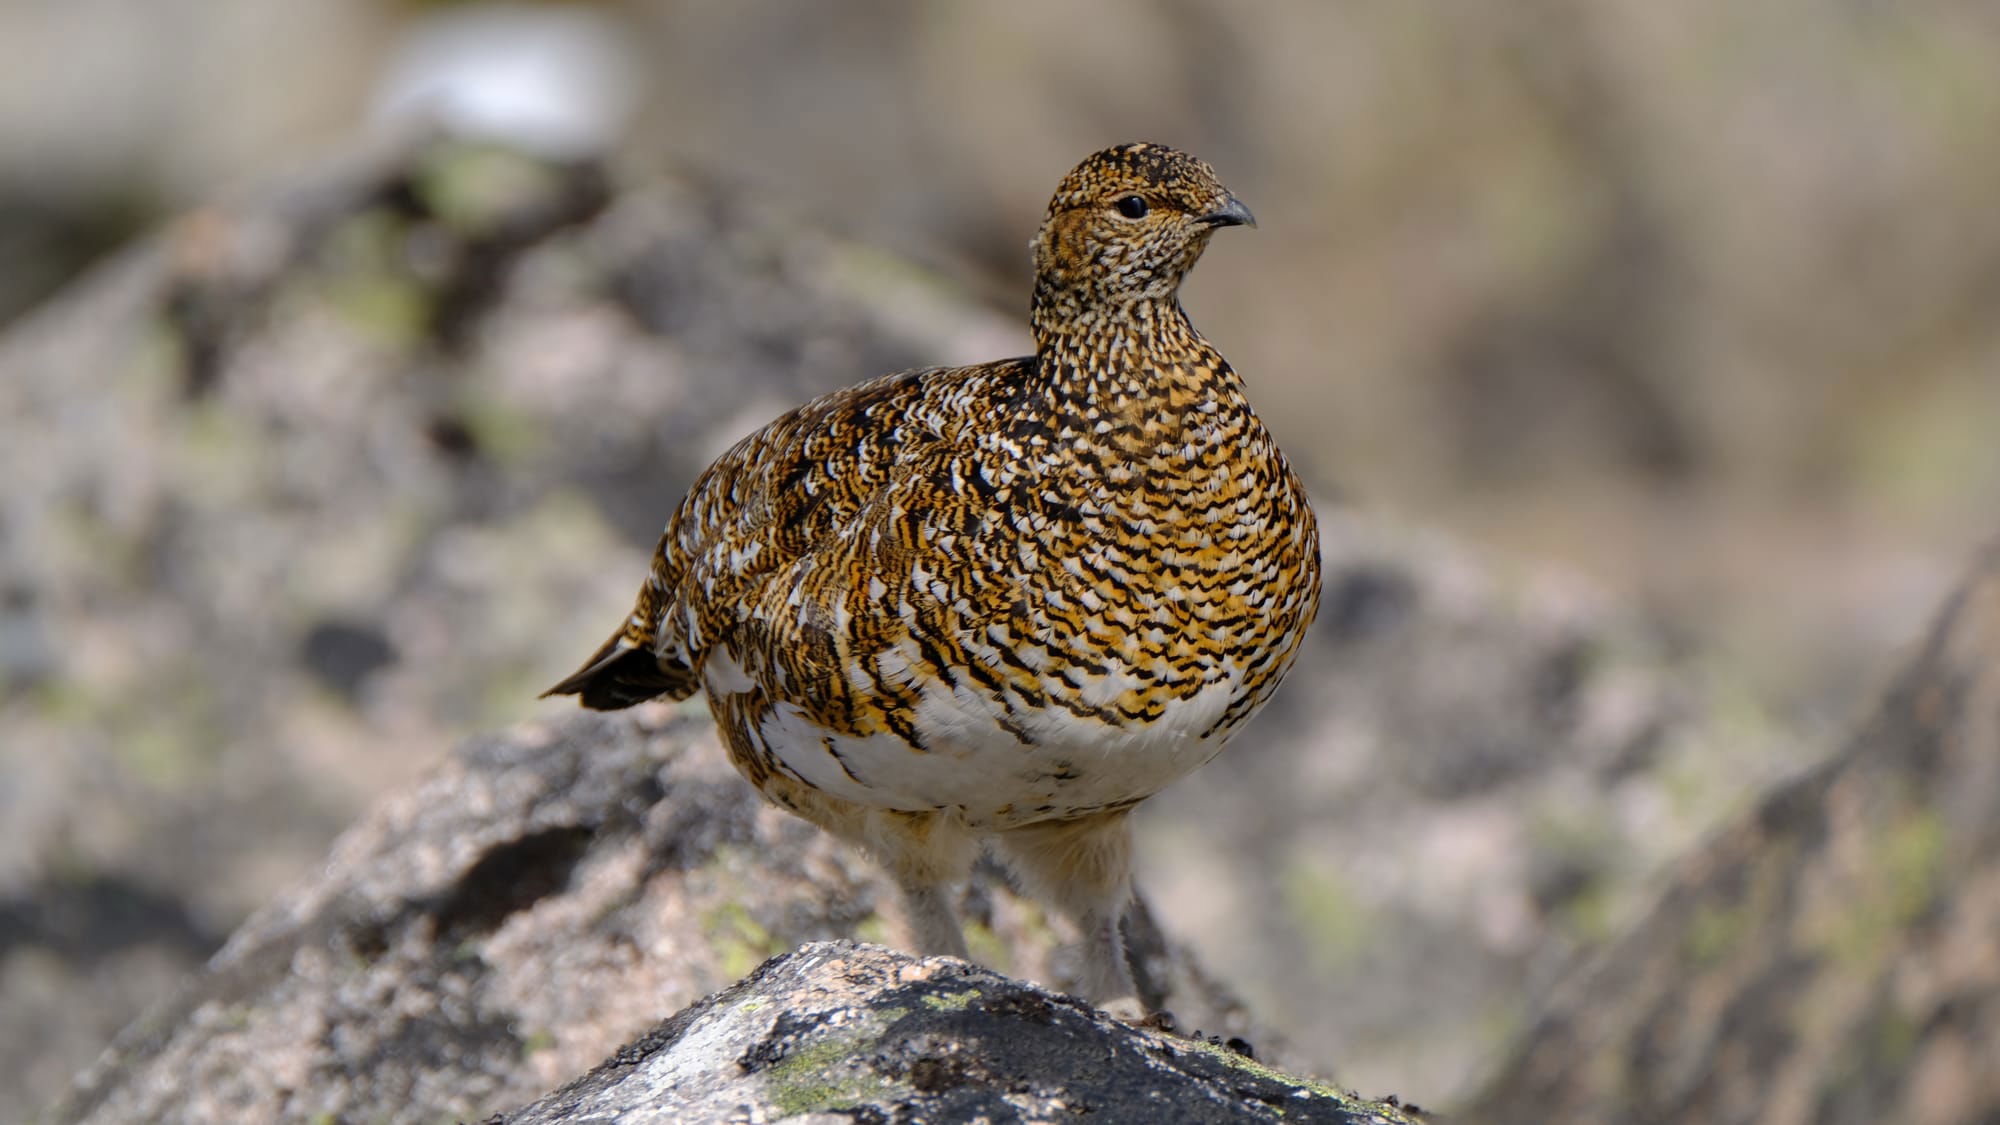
point(1232, 213)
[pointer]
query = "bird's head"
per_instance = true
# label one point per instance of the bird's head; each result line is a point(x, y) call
point(1128, 223)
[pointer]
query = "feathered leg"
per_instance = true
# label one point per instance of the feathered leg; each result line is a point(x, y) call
point(1084, 868)
point(927, 854)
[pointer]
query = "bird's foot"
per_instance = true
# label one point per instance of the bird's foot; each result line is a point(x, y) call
point(1128, 1009)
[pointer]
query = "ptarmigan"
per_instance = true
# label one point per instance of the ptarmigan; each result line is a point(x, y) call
point(1008, 601)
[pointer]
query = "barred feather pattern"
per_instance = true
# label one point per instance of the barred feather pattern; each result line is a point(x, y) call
point(1023, 591)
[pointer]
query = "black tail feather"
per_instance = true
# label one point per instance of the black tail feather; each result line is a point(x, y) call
point(620, 676)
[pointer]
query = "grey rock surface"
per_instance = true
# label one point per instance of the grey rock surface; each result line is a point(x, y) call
point(859, 1033)
point(1831, 957)
point(509, 921)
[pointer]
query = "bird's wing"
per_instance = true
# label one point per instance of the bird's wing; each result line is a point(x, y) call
point(781, 495)
point(894, 594)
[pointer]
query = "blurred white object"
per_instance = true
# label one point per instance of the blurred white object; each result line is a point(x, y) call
point(561, 82)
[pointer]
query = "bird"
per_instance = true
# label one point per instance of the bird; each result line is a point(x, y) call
point(999, 605)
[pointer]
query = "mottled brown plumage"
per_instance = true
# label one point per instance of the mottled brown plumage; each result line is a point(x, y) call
point(1011, 600)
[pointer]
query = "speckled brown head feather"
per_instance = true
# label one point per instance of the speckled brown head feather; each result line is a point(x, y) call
point(1011, 600)
point(1125, 226)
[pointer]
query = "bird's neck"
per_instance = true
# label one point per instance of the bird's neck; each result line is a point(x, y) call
point(1114, 348)
point(1132, 377)
point(1062, 300)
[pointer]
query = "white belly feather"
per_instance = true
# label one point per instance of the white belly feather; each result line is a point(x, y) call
point(1058, 764)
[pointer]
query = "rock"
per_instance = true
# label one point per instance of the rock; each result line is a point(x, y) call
point(543, 898)
point(1834, 956)
point(860, 1033)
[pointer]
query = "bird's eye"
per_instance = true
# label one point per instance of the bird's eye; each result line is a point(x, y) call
point(1132, 207)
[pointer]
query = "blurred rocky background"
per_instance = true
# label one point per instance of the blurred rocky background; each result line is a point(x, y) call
point(1650, 346)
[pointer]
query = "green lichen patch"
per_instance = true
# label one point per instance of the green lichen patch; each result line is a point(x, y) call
point(987, 947)
point(950, 1001)
point(1714, 932)
point(1326, 911)
point(823, 1076)
point(472, 187)
point(874, 930)
point(740, 942)
point(1893, 887)
point(1304, 1087)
